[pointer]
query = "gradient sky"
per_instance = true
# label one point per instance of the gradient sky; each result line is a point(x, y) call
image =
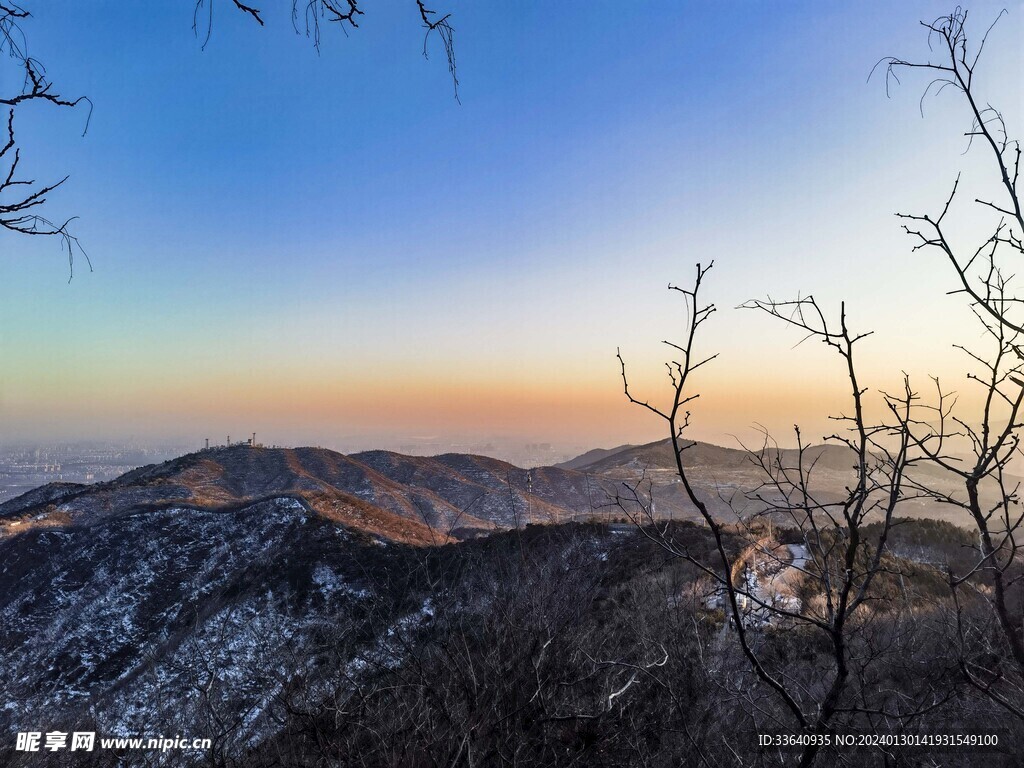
point(329, 249)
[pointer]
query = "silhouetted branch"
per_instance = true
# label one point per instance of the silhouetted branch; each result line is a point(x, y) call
point(23, 200)
point(345, 14)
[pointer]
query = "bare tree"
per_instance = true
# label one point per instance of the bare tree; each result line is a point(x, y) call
point(993, 665)
point(828, 581)
point(990, 653)
point(846, 569)
point(979, 270)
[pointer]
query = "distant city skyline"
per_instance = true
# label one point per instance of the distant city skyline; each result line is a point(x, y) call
point(328, 248)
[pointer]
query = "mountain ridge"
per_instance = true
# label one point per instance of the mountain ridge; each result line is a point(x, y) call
point(429, 500)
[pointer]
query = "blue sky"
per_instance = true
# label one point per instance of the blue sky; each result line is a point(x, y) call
point(320, 245)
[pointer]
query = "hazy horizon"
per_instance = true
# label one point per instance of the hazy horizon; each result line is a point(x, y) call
point(329, 248)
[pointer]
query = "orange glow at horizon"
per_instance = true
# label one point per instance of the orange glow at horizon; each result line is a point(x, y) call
point(553, 406)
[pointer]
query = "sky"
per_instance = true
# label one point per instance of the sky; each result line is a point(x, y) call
point(327, 248)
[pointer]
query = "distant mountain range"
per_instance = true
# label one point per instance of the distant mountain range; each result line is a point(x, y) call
point(402, 498)
point(410, 499)
point(429, 500)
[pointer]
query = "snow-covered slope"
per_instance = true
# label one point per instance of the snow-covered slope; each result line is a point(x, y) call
point(179, 620)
